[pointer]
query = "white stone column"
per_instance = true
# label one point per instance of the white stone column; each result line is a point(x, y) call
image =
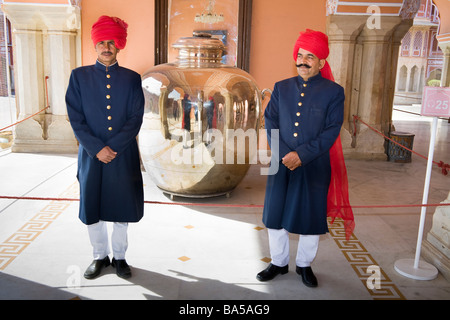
point(445, 76)
point(345, 64)
point(47, 46)
point(29, 66)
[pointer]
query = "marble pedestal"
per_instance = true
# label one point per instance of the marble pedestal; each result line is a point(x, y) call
point(436, 247)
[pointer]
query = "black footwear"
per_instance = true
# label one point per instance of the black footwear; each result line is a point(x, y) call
point(122, 268)
point(308, 277)
point(96, 267)
point(271, 272)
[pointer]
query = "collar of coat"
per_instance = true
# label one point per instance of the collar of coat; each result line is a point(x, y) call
point(105, 68)
point(312, 79)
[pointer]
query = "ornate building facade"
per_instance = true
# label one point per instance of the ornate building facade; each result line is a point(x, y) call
point(420, 57)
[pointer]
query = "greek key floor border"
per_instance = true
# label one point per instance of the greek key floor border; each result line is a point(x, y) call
point(373, 277)
point(12, 247)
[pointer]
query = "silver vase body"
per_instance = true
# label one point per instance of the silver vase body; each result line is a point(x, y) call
point(200, 130)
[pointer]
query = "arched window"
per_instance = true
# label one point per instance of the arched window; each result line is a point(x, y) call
point(417, 44)
point(406, 42)
point(402, 76)
point(7, 59)
point(421, 79)
point(425, 45)
point(413, 79)
point(435, 50)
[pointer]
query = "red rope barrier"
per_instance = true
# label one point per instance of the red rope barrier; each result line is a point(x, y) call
point(12, 125)
point(48, 106)
point(222, 204)
point(444, 166)
point(46, 90)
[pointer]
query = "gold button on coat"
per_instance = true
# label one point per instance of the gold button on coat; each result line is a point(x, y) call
point(295, 134)
point(108, 86)
point(108, 76)
point(110, 128)
point(304, 84)
point(109, 117)
point(108, 96)
point(298, 114)
point(108, 107)
point(296, 124)
point(299, 104)
point(302, 94)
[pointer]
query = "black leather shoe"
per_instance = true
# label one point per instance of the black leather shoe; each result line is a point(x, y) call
point(308, 277)
point(96, 267)
point(271, 272)
point(122, 268)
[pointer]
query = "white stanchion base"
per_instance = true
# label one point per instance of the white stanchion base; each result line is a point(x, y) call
point(424, 271)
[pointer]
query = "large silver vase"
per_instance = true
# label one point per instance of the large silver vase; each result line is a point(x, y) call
point(200, 129)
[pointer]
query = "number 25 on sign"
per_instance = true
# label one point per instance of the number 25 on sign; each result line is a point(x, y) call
point(436, 102)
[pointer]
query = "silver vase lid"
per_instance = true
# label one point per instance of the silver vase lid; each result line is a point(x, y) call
point(201, 50)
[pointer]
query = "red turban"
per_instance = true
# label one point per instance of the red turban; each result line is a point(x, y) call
point(110, 28)
point(315, 42)
point(338, 204)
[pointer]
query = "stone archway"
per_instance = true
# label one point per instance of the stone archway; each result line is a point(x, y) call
point(363, 59)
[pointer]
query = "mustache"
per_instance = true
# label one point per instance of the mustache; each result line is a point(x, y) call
point(107, 52)
point(303, 65)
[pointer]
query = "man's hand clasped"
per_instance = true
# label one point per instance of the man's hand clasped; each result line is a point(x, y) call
point(292, 160)
point(106, 155)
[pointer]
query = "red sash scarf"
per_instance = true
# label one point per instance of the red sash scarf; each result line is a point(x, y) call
point(338, 204)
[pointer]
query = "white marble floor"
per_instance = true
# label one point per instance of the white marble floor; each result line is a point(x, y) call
point(191, 252)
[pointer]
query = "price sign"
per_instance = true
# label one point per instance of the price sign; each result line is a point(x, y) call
point(436, 102)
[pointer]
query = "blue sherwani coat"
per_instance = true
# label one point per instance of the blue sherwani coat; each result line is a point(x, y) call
point(105, 108)
point(309, 117)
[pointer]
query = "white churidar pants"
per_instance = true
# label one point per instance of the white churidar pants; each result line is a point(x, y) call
point(98, 235)
point(279, 248)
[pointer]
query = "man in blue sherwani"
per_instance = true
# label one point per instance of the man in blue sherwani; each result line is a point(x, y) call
point(308, 112)
point(105, 105)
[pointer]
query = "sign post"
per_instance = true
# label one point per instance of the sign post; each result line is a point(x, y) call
point(435, 103)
